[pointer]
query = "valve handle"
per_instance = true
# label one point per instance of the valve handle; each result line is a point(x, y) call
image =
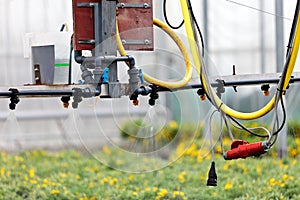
point(243, 149)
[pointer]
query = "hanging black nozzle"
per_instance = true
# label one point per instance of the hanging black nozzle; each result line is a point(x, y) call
point(212, 175)
point(14, 99)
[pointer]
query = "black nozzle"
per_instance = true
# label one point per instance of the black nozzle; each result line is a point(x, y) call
point(212, 175)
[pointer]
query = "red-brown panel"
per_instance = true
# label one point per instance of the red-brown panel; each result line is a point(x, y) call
point(136, 24)
point(83, 22)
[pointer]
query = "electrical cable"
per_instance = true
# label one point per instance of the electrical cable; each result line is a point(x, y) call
point(221, 132)
point(166, 18)
point(70, 61)
point(228, 127)
point(197, 26)
point(293, 29)
point(249, 130)
point(218, 103)
point(210, 135)
point(148, 78)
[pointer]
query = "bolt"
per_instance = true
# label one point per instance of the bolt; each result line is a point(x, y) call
point(146, 5)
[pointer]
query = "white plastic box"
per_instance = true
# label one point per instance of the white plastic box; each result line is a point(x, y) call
point(60, 67)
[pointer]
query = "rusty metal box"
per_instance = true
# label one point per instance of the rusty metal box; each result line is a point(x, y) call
point(83, 20)
point(135, 21)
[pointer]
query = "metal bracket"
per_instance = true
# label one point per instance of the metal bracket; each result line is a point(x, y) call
point(86, 41)
point(136, 42)
point(131, 5)
point(86, 5)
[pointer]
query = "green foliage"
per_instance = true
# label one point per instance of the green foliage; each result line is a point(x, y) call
point(70, 175)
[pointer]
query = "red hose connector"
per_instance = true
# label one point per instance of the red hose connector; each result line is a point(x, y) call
point(242, 149)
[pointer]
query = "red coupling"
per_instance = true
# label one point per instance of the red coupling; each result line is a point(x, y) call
point(242, 149)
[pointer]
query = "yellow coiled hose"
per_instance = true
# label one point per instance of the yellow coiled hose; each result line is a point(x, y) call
point(148, 78)
point(196, 58)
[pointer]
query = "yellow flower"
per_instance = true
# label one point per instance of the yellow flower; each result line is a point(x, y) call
point(54, 192)
point(46, 181)
point(8, 173)
point(199, 159)
point(134, 193)
point(228, 186)
point(294, 152)
point(181, 177)
point(104, 180)
point(62, 175)
point(226, 166)
point(155, 189)
point(106, 150)
point(33, 182)
point(2, 171)
point(258, 170)
point(131, 177)
point(113, 181)
point(91, 185)
point(272, 182)
point(19, 159)
point(162, 192)
point(31, 173)
point(175, 194)
point(285, 177)
point(202, 178)
point(66, 192)
point(173, 124)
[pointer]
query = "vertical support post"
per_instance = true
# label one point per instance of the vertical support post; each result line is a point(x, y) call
point(282, 138)
point(97, 28)
point(262, 38)
point(109, 46)
point(205, 18)
point(262, 23)
point(206, 24)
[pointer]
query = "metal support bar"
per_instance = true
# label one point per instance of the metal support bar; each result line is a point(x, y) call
point(131, 5)
point(136, 42)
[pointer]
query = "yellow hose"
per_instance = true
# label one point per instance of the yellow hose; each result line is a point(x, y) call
point(225, 108)
point(148, 78)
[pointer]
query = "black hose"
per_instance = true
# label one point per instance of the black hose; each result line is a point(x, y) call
point(166, 18)
point(197, 25)
point(293, 29)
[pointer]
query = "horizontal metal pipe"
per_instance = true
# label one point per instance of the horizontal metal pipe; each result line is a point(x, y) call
point(41, 93)
point(230, 84)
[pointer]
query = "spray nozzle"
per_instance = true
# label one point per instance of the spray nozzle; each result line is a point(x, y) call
point(212, 175)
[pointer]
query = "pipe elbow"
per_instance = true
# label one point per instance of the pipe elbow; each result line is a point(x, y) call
point(78, 56)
